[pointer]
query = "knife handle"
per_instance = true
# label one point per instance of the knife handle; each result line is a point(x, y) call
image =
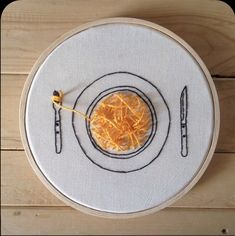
point(57, 130)
point(184, 140)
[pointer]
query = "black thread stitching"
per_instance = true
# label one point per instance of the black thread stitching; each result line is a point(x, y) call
point(57, 123)
point(184, 121)
point(147, 142)
point(84, 151)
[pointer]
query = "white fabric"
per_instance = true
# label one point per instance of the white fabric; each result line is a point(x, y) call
point(79, 61)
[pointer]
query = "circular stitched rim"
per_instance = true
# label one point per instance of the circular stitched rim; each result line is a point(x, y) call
point(157, 150)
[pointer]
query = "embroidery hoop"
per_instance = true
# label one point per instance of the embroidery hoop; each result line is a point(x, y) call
point(127, 21)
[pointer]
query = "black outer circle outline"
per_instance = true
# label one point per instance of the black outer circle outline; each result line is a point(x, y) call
point(146, 143)
point(84, 151)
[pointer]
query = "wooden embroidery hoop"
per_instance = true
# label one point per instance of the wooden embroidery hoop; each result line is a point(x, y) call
point(80, 29)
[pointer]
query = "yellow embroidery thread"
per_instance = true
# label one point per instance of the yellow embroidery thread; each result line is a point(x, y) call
point(57, 100)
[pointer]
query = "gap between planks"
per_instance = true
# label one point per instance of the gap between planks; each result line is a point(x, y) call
point(65, 207)
point(22, 150)
point(214, 76)
point(37, 206)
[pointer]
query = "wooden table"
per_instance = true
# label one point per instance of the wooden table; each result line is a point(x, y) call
point(28, 27)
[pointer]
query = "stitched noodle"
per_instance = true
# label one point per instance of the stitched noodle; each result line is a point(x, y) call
point(123, 121)
point(120, 122)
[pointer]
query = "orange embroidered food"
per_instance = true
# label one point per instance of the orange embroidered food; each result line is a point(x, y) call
point(121, 122)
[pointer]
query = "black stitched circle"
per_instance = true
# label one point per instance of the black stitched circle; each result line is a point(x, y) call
point(146, 100)
point(83, 149)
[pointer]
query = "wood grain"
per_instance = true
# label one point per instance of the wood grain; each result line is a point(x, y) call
point(226, 93)
point(20, 186)
point(29, 27)
point(12, 86)
point(11, 90)
point(64, 221)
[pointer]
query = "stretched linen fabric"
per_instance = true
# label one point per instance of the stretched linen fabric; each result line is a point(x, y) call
point(102, 60)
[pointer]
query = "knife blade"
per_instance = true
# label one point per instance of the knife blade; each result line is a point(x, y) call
point(183, 121)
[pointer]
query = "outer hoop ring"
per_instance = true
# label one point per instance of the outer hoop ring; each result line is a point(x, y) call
point(81, 28)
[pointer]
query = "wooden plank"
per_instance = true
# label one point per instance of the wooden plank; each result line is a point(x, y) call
point(29, 27)
point(226, 93)
point(20, 186)
point(11, 90)
point(12, 86)
point(34, 221)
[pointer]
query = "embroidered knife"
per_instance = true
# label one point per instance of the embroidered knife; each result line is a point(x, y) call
point(183, 121)
point(57, 126)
